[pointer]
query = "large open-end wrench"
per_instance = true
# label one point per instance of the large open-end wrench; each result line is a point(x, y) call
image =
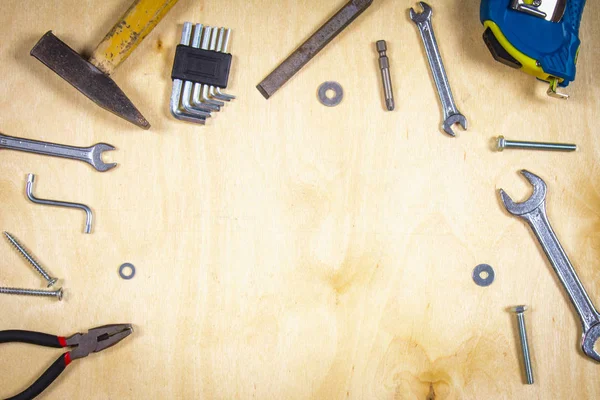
point(534, 212)
point(91, 155)
point(451, 113)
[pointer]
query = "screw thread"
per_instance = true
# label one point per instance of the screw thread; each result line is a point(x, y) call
point(525, 348)
point(504, 143)
point(32, 292)
point(29, 258)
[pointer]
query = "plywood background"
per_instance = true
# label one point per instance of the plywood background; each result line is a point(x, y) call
point(288, 250)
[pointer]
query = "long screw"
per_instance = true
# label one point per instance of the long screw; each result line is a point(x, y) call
point(30, 292)
point(51, 281)
point(384, 65)
point(520, 310)
point(514, 144)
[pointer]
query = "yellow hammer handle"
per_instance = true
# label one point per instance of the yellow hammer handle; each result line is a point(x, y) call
point(128, 32)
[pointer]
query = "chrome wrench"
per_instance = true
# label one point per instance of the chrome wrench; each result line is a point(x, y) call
point(451, 113)
point(534, 212)
point(91, 155)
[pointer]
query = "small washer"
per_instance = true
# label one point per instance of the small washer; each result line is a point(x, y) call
point(336, 88)
point(122, 269)
point(481, 281)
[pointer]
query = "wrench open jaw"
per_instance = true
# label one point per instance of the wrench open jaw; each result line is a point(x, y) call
point(423, 16)
point(588, 341)
point(533, 211)
point(454, 119)
point(531, 204)
point(95, 160)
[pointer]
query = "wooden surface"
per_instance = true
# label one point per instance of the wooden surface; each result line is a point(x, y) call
point(288, 250)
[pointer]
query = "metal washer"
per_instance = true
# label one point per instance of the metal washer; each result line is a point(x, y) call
point(484, 282)
point(336, 88)
point(125, 266)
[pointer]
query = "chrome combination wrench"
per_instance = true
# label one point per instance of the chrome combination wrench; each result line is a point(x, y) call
point(534, 212)
point(451, 114)
point(91, 155)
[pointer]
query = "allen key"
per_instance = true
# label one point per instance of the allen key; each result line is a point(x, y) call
point(201, 91)
point(191, 104)
point(175, 105)
point(55, 203)
point(213, 47)
point(215, 91)
point(186, 101)
point(224, 49)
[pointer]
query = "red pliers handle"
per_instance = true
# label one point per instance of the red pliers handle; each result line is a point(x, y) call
point(95, 340)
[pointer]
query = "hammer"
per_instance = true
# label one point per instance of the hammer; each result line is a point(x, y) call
point(92, 77)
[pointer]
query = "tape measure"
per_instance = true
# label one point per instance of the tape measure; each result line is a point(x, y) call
point(539, 37)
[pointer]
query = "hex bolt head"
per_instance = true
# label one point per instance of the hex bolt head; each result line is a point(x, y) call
point(501, 145)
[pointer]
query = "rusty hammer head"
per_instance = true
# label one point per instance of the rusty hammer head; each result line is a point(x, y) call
point(86, 78)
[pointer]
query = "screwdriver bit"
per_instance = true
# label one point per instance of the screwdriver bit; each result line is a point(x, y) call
point(384, 65)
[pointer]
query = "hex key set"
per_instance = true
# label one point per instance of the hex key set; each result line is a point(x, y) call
point(200, 71)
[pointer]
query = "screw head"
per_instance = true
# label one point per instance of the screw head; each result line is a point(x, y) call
point(59, 294)
point(52, 281)
point(519, 309)
point(501, 143)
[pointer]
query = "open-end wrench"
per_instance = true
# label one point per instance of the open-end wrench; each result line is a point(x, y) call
point(451, 113)
point(91, 155)
point(534, 212)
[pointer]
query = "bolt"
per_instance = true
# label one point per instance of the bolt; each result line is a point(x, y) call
point(513, 144)
point(384, 65)
point(30, 292)
point(537, 3)
point(520, 310)
point(51, 281)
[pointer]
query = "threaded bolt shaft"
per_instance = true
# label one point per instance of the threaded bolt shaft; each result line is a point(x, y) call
point(51, 281)
point(519, 311)
point(504, 143)
point(31, 292)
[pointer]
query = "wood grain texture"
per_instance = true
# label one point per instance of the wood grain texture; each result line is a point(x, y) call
point(288, 250)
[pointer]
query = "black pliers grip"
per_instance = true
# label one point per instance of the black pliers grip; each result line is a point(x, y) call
point(41, 339)
point(94, 340)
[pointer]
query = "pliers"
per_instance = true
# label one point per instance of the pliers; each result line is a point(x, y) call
point(95, 340)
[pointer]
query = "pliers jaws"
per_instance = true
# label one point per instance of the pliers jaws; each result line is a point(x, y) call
point(97, 339)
